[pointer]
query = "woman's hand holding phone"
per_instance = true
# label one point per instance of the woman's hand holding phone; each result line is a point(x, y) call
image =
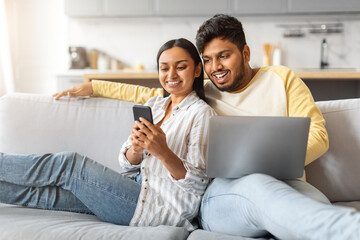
point(135, 152)
point(150, 137)
point(135, 139)
point(153, 139)
point(147, 136)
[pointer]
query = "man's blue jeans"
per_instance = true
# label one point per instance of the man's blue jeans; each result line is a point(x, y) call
point(70, 182)
point(257, 204)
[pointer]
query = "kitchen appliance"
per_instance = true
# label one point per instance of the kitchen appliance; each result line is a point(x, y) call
point(78, 57)
point(324, 54)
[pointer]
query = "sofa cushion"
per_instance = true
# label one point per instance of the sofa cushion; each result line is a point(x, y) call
point(35, 224)
point(337, 172)
point(205, 235)
point(354, 204)
point(95, 127)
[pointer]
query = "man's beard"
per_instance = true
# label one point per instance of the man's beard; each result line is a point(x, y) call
point(237, 81)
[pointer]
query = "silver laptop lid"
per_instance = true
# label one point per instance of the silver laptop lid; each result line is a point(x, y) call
point(241, 145)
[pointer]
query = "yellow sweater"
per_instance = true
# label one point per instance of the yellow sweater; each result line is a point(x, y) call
point(273, 91)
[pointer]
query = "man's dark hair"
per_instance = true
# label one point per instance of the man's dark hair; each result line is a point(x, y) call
point(185, 44)
point(223, 26)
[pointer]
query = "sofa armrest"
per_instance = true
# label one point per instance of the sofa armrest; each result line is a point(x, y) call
point(337, 172)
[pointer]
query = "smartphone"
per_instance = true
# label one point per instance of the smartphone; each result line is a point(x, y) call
point(142, 111)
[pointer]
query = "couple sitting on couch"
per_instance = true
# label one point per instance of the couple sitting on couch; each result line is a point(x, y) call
point(173, 164)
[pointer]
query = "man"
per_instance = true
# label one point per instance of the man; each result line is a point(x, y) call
point(257, 204)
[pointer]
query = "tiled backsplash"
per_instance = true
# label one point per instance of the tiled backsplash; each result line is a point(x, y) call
point(135, 40)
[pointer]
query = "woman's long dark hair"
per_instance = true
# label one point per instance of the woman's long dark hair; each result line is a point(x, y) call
point(185, 44)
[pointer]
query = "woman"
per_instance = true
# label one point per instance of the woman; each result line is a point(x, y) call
point(167, 159)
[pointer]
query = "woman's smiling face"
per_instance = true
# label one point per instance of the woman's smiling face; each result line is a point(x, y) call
point(177, 71)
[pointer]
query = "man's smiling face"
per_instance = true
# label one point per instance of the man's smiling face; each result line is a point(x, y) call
point(224, 64)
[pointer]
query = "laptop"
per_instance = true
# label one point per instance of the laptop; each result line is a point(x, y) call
point(242, 145)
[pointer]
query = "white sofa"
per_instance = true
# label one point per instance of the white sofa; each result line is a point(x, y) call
point(97, 127)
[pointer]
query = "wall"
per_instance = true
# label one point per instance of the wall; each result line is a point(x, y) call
point(137, 40)
point(37, 45)
point(41, 33)
point(2, 82)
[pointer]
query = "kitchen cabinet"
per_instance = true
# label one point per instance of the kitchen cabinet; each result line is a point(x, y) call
point(323, 90)
point(288, 7)
point(246, 7)
point(127, 8)
point(168, 8)
point(147, 79)
point(74, 77)
point(322, 6)
point(64, 82)
point(328, 84)
point(71, 78)
point(108, 8)
point(190, 7)
point(83, 8)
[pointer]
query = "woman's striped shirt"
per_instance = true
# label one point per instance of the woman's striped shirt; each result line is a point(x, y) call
point(164, 200)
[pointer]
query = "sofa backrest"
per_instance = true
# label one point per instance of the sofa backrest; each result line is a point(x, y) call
point(95, 127)
point(337, 172)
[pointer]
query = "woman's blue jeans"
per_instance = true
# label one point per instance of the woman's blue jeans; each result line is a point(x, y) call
point(70, 182)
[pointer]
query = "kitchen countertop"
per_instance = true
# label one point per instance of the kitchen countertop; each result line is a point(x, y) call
point(328, 74)
point(304, 73)
point(121, 75)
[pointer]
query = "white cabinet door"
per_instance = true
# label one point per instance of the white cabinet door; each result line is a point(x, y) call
point(312, 6)
point(128, 8)
point(191, 7)
point(83, 8)
point(67, 82)
point(254, 7)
